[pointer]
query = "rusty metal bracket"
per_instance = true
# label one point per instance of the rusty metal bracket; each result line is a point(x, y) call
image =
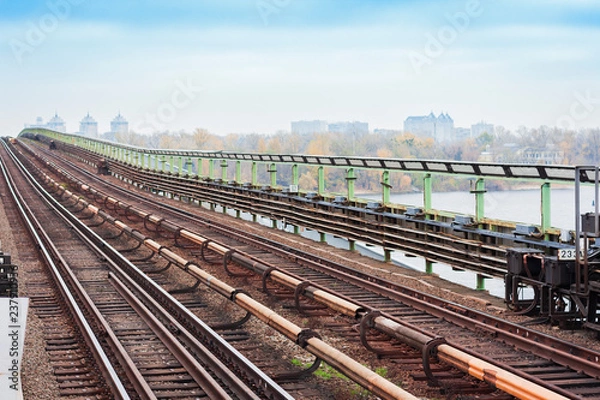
point(137, 246)
point(83, 207)
point(264, 276)
point(187, 289)
point(143, 259)
point(233, 325)
point(105, 203)
point(128, 214)
point(158, 271)
point(97, 224)
point(85, 218)
point(111, 237)
point(280, 295)
point(177, 238)
point(99, 197)
point(367, 323)
point(296, 376)
point(304, 335)
point(146, 220)
point(304, 308)
point(430, 351)
point(204, 247)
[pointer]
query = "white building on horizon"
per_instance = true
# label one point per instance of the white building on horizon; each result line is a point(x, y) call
point(88, 126)
point(347, 127)
point(119, 124)
point(308, 127)
point(39, 123)
point(441, 128)
point(55, 123)
point(481, 127)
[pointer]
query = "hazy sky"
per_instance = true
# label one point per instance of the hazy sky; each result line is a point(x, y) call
point(255, 65)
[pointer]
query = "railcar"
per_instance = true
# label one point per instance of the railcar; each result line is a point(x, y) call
point(563, 287)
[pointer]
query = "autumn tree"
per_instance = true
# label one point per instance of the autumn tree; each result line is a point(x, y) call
point(201, 138)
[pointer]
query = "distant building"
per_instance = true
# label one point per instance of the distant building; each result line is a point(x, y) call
point(119, 124)
point(461, 133)
point(440, 128)
point(57, 124)
point(346, 127)
point(39, 123)
point(481, 127)
point(88, 126)
point(542, 155)
point(308, 127)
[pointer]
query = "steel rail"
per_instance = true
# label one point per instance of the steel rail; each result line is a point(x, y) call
point(118, 263)
point(391, 289)
point(222, 249)
point(304, 337)
point(38, 235)
point(504, 379)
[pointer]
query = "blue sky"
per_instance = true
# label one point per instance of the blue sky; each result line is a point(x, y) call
point(255, 65)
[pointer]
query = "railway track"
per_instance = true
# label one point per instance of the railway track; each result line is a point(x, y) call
point(142, 352)
point(392, 301)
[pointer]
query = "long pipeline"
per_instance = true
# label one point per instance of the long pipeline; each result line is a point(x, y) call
point(470, 364)
point(306, 338)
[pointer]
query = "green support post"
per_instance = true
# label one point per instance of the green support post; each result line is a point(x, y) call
point(322, 237)
point(180, 166)
point(224, 170)
point(351, 245)
point(164, 163)
point(427, 191)
point(350, 177)
point(273, 171)
point(479, 199)
point(321, 181)
point(238, 172)
point(480, 282)
point(387, 255)
point(295, 175)
point(428, 267)
point(172, 164)
point(254, 174)
point(211, 168)
point(199, 166)
point(545, 208)
point(387, 188)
